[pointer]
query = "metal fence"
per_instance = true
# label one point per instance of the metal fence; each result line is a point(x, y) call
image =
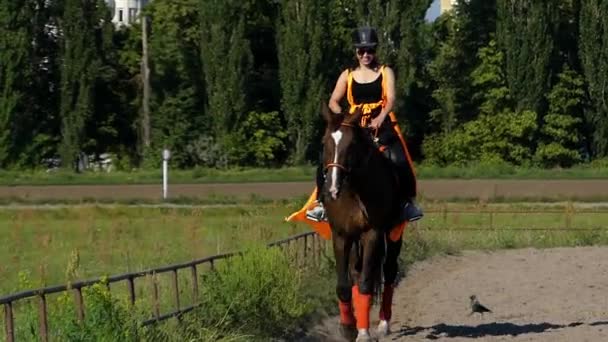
point(564, 219)
point(306, 247)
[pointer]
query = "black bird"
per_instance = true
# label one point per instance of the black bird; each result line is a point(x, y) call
point(476, 307)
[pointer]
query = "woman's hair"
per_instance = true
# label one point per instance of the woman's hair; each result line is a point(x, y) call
point(355, 63)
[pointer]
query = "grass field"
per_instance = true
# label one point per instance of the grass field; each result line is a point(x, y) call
point(597, 170)
point(109, 240)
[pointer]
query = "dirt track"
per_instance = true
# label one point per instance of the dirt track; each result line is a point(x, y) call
point(536, 295)
point(429, 189)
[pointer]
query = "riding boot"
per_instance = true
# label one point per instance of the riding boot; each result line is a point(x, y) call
point(411, 212)
point(317, 213)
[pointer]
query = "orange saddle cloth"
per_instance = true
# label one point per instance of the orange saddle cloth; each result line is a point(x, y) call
point(323, 229)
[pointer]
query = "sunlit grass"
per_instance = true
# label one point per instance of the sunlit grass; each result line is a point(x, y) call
point(112, 240)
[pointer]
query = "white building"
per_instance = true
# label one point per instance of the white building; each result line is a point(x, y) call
point(126, 12)
point(446, 5)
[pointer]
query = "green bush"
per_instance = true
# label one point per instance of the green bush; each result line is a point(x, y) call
point(260, 293)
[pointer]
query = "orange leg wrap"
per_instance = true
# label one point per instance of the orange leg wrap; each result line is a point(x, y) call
point(346, 313)
point(387, 302)
point(363, 305)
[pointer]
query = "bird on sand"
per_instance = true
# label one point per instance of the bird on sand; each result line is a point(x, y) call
point(476, 307)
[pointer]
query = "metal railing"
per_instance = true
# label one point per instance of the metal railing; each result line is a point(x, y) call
point(308, 247)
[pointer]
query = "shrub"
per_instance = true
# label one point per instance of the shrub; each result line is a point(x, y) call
point(260, 293)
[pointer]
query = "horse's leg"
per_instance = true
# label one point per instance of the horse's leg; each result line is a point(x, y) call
point(393, 248)
point(367, 280)
point(342, 250)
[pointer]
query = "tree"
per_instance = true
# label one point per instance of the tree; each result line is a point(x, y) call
point(498, 134)
point(226, 59)
point(593, 44)
point(82, 29)
point(178, 93)
point(301, 39)
point(525, 32)
point(561, 131)
point(16, 72)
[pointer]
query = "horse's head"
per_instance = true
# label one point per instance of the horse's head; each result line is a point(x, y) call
point(341, 147)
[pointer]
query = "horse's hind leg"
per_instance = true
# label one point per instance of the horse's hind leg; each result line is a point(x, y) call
point(393, 248)
point(342, 250)
point(362, 292)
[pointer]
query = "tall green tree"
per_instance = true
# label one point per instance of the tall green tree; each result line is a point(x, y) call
point(593, 45)
point(450, 76)
point(16, 38)
point(44, 135)
point(227, 60)
point(178, 104)
point(498, 133)
point(561, 132)
point(82, 40)
point(301, 42)
point(525, 32)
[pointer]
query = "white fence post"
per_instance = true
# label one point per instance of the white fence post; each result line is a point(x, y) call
point(166, 156)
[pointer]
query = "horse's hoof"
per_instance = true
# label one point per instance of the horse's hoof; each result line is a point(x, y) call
point(348, 332)
point(364, 336)
point(383, 328)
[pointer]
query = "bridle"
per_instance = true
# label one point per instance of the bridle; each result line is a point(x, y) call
point(338, 165)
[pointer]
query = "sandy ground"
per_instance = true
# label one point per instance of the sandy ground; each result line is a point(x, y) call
point(536, 295)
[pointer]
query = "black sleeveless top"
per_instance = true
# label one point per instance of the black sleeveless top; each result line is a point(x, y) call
point(367, 92)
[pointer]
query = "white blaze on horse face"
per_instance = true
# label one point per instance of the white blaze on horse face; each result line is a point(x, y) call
point(333, 189)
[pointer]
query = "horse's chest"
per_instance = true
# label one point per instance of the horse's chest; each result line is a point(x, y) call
point(347, 216)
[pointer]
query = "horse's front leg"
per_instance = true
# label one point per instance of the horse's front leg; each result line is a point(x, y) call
point(393, 248)
point(342, 249)
point(371, 243)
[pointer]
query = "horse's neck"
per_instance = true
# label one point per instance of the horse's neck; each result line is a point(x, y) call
point(374, 176)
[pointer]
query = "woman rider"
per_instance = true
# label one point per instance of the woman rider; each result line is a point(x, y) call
point(371, 86)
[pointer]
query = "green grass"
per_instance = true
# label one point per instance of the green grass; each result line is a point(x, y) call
point(596, 170)
point(111, 240)
point(115, 239)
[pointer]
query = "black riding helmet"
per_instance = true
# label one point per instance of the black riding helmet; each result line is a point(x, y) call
point(365, 37)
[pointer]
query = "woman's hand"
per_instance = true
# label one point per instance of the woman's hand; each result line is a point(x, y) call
point(377, 121)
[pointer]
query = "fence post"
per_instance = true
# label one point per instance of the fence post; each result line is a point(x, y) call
point(175, 288)
point(305, 246)
point(42, 318)
point(155, 302)
point(79, 304)
point(131, 288)
point(194, 283)
point(568, 215)
point(8, 322)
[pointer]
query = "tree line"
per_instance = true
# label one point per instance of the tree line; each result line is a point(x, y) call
point(240, 82)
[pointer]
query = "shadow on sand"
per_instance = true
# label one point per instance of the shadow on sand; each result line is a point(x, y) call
point(490, 329)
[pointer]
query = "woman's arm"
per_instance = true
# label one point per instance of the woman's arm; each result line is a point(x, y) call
point(390, 98)
point(339, 92)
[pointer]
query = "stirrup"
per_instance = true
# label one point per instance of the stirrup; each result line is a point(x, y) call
point(317, 213)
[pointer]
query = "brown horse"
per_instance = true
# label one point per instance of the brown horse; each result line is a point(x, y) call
point(361, 202)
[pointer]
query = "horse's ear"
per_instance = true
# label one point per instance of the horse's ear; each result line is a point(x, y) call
point(354, 117)
point(331, 118)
